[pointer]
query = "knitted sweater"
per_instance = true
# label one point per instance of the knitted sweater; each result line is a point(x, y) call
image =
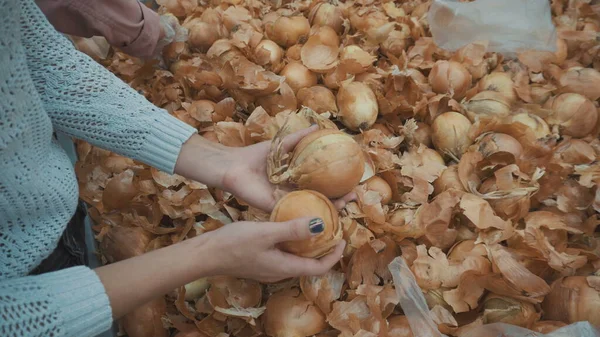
point(46, 85)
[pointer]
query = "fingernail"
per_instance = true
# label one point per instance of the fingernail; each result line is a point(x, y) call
point(316, 226)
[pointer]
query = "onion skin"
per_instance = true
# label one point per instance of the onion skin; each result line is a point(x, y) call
point(327, 14)
point(358, 106)
point(306, 203)
point(328, 161)
point(297, 76)
point(573, 299)
point(121, 243)
point(289, 314)
point(423, 135)
point(380, 186)
point(535, 123)
point(268, 52)
point(447, 180)
point(450, 76)
point(502, 309)
point(450, 134)
point(576, 115)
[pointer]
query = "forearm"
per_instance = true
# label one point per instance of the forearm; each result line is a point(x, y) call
point(154, 274)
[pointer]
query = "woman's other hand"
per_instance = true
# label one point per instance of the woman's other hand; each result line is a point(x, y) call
point(249, 250)
point(241, 171)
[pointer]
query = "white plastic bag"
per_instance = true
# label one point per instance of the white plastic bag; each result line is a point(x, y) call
point(509, 26)
point(422, 325)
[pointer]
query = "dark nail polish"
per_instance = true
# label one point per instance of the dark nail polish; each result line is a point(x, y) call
point(316, 226)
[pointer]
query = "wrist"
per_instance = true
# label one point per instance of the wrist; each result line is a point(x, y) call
point(204, 161)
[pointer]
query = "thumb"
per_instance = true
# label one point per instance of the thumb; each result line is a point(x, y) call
point(296, 230)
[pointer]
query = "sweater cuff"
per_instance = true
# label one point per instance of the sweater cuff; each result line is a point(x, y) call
point(84, 305)
point(167, 135)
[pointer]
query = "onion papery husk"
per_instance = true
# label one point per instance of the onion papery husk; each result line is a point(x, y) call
point(433, 270)
point(573, 299)
point(323, 290)
point(229, 292)
point(355, 235)
point(281, 100)
point(502, 309)
point(307, 203)
point(536, 124)
point(357, 105)
point(574, 114)
point(448, 179)
point(356, 60)
point(355, 317)
point(486, 105)
point(318, 98)
point(121, 243)
point(380, 186)
point(120, 190)
point(369, 263)
point(146, 320)
point(328, 161)
point(574, 152)
point(320, 53)
point(290, 314)
point(268, 54)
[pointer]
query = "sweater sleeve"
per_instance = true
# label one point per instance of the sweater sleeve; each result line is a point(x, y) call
point(88, 102)
point(70, 302)
point(126, 24)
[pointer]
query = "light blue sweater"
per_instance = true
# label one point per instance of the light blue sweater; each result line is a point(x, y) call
point(46, 85)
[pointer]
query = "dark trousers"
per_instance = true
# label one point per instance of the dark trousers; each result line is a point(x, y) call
point(71, 249)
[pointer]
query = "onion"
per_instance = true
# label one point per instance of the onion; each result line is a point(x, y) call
point(447, 180)
point(196, 289)
point(307, 203)
point(573, 113)
point(463, 249)
point(487, 104)
point(573, 299)
point(396, 42)
point(121, 243)
point(205, 30)
point(146, 320)
point(328, 161)
point(287, 31)
point(380, 186)
point(450, 134)
point(536, 124)
point(492, 142)
point(450, 77)
point(297, 76)
point(318, 98)
point(289, 314)
point(120, 191)
point(293, 52)
point(575, 151)
point(499, 82)
point(320, 52)
point(583, 81)
point(503, 309)
point(327, 14)
point(358, 106)
point(269, 53)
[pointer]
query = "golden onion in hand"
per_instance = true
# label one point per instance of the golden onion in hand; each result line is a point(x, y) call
point(306, 203)
point(328, 161)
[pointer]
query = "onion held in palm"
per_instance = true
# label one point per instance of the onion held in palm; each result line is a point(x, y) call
point(451, 134)
point(573, 299)
point(327, 161)
point(308, 203)
point(573, 113)
point(289, 314)
point(358, 106)
point(450, 77)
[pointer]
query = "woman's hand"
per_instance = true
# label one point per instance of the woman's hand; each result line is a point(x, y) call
point(249, 250)
point(241, 171)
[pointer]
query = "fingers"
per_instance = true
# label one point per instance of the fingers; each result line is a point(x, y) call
point(290, 141)
point(341, 202)
point(300, 266)
point(295, 230)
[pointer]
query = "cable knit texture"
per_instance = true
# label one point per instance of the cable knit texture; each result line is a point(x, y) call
point(46, 85)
